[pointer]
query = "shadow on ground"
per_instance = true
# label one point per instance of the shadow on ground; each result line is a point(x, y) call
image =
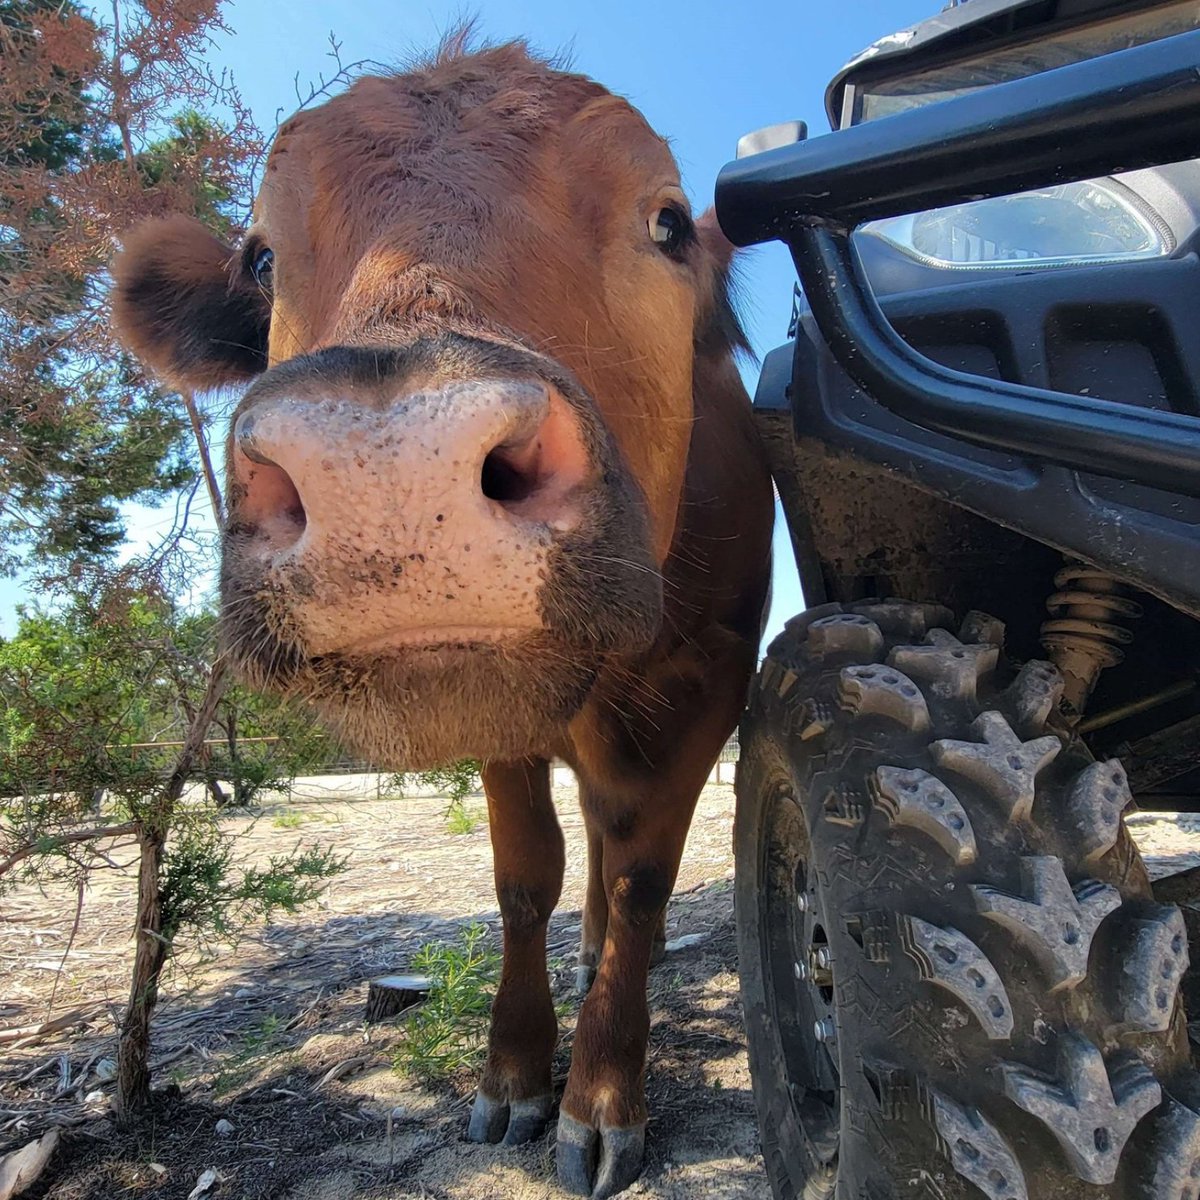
point(279, 1051)
point(271, 1039)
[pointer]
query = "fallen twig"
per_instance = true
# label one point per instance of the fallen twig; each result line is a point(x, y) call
point(342, 1068)
point(174, 1056)
point(304, 1012)
point(82, 1077)
point(20, 1169)
point(49, 1064)
point(26, 1035)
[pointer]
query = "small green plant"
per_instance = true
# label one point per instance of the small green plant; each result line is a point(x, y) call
point(448, 1033)
point(263, 1033)
point(289, 819)
point(266, 1039)
point(456, 782)
point(461, 820)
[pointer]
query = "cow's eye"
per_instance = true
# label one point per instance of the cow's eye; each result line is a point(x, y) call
point(670, 229)
point(262, 265)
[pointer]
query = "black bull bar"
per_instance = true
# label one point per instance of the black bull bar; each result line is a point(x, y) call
point(1124, 111)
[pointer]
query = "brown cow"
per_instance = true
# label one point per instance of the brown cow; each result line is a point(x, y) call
point(496, 493)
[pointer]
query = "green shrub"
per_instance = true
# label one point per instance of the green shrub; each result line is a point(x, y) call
point(456, 782)
point(462, 820)
point(448, 1032)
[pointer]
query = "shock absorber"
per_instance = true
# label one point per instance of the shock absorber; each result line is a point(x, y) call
point(1082, 636)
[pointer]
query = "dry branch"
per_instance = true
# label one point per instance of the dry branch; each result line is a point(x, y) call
point(19, 1170)
point(206, 464)
point(77, 1016)
point(49, 845)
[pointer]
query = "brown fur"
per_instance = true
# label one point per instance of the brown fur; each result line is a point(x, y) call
point(490, 198)
point(184, 305)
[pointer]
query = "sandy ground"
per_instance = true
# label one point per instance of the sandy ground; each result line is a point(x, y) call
point(250, 1035)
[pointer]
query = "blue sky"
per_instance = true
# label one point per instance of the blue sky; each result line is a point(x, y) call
point(703, 73)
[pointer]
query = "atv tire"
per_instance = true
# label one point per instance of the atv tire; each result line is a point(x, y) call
point(956, 981)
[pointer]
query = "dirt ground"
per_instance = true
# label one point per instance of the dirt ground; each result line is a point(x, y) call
point(267, 1038)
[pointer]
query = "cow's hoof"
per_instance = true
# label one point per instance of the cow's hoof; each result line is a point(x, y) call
point(598, 1163)
point(527, 1120)
point(510, 1124)
point(489, 1119)
point(585, 976)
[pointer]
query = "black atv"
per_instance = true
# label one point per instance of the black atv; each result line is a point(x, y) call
point(958, 979)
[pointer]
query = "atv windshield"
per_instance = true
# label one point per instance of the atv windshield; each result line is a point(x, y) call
point(883, 97)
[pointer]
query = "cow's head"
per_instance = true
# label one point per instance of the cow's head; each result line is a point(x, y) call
point(472, 301)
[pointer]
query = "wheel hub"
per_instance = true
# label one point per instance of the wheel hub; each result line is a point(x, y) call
point(802, 978)
point(814, 978)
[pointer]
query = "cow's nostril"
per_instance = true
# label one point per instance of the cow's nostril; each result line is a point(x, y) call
point(511, 474)
point(243, 432)
point(539, 473)
point(271, 505)
point(267, 503)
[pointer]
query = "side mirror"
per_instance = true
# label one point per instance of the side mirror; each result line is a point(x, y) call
point(771, 137)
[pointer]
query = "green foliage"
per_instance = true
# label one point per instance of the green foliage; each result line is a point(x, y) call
point(72, 451)
point(76, 687)
point(190, 160)
point(448, 1033)
point(456, 782)
point(287, 883)
point(94, 136)
point(265, 742)
point(93, 693)
point(461, 820)
point(204, 893)
point(288, 820)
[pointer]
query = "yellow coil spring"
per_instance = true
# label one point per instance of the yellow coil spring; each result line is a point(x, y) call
point(1082, 636)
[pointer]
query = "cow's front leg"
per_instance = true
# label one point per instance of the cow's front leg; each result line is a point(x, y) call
point(595, 915)
point(514, 1100)
point(602, 1121)
point(594, 926)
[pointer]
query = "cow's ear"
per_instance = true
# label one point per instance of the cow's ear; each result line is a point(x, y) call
point(716, 245)
point(184, 305)
point(719, 332)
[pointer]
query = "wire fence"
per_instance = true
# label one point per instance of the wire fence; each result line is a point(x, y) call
point(337, 764)
point(213, 765)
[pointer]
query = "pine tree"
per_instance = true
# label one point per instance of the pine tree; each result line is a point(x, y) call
point(102, 123)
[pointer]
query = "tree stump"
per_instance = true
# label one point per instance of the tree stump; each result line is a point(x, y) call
point(392, 994)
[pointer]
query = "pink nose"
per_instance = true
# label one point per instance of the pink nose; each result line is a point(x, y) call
point(427, 519)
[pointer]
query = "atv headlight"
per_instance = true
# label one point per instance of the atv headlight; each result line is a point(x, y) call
point(1072, 223)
